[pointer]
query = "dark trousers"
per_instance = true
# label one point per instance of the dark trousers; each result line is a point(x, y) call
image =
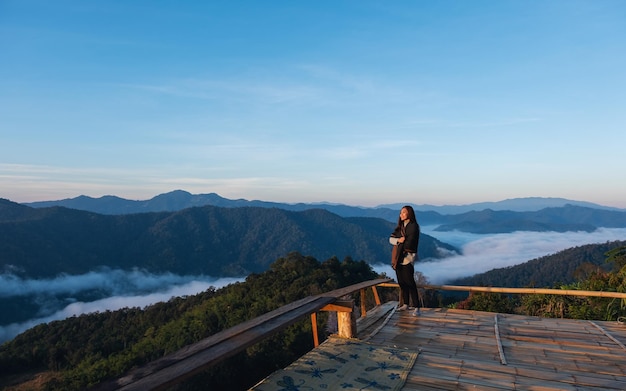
point(408, 288)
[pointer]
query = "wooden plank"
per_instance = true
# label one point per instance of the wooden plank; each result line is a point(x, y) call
point(374, 315)
point(609, 335)
point(455, 374)
point(550, 354)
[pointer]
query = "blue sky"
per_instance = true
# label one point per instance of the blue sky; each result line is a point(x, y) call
point(356, 102)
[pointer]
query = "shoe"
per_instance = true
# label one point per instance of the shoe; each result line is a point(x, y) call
point(403, 307)
point(416, 312)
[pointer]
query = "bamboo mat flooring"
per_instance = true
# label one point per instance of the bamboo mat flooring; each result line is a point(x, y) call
point(460, 350)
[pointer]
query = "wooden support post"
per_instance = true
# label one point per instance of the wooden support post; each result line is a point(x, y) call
point(363, 307)
point(316, 338)
point(346, 322)
point(376, 297)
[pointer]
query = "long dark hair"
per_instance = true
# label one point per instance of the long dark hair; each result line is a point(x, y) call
point(412, 217)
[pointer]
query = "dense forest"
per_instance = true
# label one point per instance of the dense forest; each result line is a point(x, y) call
point(82, 351)
point(590, 277)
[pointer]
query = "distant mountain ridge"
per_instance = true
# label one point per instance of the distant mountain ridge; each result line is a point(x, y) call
point(564, 219)
point(180, 199)
point(524, 204)
point(526, 214)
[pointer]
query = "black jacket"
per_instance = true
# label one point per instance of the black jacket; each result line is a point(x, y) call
point(411, 238)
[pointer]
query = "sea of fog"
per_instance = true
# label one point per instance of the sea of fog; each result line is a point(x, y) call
point(479, 253)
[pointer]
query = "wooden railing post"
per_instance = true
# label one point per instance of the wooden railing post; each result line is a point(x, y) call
point(363, 308)
point(316, 338)
point(376, 297)
point(346, 320)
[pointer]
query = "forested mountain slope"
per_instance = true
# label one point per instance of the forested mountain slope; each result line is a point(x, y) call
point(564, 267)
point(82, 351)
point(203, 240)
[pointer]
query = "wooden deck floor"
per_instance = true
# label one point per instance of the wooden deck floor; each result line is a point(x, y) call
point(461, 350)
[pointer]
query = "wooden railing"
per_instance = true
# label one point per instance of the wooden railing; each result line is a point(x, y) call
point(188, 361)
point(535, 291)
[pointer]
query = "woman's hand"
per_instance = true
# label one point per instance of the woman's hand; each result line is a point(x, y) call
point(401, 240)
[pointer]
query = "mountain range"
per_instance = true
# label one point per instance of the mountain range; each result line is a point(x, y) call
point(180, 199)
point(521, 214)
point(209, 240)
point(182, 233)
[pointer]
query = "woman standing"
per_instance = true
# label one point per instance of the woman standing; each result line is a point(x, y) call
point(406, 238)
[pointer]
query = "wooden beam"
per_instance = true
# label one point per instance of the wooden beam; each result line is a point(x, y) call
point(562, 292)
point(534, 291)
point(339, 306)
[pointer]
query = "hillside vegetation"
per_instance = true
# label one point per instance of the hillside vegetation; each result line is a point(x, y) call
point(588, 276)
point(82, 351)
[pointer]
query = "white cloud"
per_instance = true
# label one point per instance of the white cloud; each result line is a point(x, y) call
point(481, 253)
point(127, 289)
point(115, 282)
